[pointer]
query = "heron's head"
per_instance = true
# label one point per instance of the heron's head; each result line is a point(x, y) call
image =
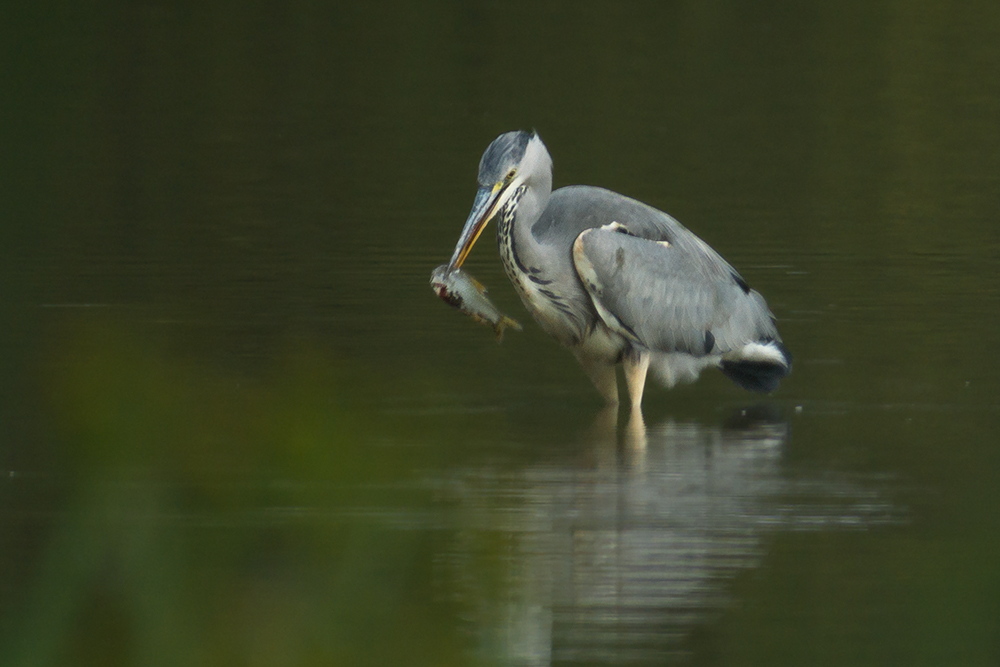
point(512, 160)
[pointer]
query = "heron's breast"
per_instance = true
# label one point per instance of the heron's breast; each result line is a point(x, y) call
point(547, 299)
point(524, 278)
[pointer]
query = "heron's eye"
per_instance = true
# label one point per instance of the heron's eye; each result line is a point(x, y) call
point(510, 174)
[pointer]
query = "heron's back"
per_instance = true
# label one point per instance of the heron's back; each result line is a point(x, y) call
point(654, 281)
point(574, 208)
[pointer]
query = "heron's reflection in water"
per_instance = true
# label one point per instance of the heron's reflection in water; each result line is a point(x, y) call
point(616, 558)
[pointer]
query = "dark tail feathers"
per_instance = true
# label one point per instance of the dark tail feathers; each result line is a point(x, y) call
point(760, 376)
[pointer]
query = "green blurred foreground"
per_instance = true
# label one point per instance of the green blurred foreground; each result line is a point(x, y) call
point(202, 517)
point(218, 520)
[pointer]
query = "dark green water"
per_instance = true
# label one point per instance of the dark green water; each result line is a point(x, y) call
point(237, 428)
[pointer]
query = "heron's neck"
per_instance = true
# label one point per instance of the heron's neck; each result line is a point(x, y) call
point(518, 247)
point(533, 202)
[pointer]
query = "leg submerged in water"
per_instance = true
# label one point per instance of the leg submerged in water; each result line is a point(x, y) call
point(636, 364)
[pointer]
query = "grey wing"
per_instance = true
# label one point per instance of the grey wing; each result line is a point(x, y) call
point(670, 292)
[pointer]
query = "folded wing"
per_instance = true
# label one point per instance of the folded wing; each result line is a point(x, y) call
point(668, 291)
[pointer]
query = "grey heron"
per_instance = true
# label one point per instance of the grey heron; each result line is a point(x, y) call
point(618, 281)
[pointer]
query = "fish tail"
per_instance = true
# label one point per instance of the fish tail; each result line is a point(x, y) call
point(503, 324)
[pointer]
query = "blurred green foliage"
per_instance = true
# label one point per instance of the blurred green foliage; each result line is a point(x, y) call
point(213, 519)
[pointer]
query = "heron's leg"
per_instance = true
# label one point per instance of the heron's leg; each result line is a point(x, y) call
point(636, 365)
point(602, 375)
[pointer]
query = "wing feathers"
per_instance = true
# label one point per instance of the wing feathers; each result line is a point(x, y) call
point(674, 296)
